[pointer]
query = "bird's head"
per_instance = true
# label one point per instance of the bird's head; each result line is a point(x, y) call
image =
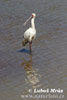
point(33, 15)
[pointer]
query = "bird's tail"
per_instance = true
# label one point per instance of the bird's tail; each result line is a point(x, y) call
point(24, 42)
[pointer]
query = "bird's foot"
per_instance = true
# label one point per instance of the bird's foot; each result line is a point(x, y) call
point(30, 51)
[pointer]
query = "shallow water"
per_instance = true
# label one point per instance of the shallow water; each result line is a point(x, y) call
point(47, 66)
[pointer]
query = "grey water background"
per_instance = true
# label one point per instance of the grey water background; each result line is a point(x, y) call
point(47, 66)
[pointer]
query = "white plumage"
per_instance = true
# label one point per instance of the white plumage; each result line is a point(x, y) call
point(30, 33)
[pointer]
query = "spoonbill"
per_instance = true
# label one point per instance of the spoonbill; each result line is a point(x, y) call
point(30, 33)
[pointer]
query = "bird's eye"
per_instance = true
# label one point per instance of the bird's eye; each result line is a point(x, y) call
point(32, 15)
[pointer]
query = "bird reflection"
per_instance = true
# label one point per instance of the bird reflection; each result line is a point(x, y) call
point(32, 75)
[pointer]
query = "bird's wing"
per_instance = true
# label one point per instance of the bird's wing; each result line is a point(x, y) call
point(27, 33)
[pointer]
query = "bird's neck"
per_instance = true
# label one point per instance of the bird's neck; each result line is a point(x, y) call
point(32, 23)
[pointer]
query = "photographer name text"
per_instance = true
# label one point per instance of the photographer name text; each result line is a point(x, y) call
point(53, 90)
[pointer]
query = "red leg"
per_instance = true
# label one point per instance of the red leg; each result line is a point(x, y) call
point(30, 46)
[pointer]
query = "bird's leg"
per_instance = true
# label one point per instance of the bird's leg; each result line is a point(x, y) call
point(30, 46)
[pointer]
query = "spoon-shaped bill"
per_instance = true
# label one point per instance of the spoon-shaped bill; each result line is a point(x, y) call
point(27, 20)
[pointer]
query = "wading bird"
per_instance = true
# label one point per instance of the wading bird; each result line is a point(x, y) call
point(30, 33)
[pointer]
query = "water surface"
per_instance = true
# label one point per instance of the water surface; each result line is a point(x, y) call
point(47, 66)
